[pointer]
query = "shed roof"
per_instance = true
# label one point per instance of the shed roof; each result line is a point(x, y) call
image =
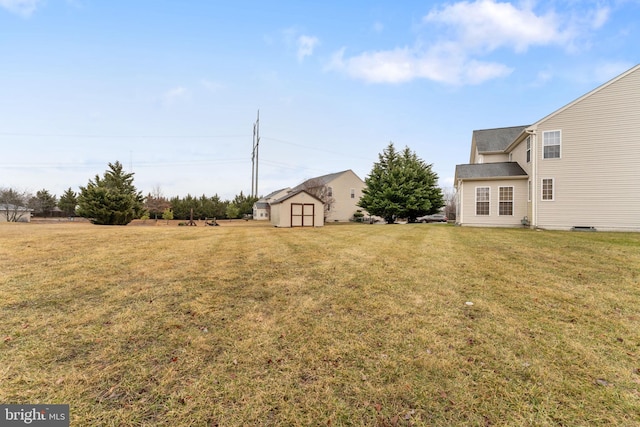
point(292, 194)
point(496, 140)
point(490, 170)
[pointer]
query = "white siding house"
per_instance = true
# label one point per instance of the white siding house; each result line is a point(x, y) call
point(576, 168)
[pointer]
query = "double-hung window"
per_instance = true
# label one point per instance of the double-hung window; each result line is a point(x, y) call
point(482, 201)
point(528, 149)
point(551, 144)
point(505, 203)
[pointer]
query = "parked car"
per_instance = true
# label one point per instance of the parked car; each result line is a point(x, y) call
point(432, 218)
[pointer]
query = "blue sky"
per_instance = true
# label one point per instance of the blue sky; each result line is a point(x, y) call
point(172, 88)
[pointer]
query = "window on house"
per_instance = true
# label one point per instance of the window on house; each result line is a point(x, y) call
point(529, 190)
point(353, 193)
point(505, 205)
point(482, 200)
point(551, 144)
point(528, 149)
point(329, 192)
point(547, 189)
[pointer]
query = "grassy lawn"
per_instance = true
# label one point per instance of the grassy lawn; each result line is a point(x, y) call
point(343, 325)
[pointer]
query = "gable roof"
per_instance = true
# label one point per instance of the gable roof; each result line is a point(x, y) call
point(273, 193)
point(292, 194)
point(520, 137)
point(588, 94)
point(495, 140)
point(322, 180)
point(490, 171)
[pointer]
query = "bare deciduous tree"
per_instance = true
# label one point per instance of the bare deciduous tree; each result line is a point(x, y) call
point(13, 204)
point(156, 203)
point(449, 195)
point(317, 188)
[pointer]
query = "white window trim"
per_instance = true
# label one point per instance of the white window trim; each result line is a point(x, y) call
point(513, 198)
point(528, 149)
point(553, 190)
point(529, 190)
point(560, 144)
point(475, 208)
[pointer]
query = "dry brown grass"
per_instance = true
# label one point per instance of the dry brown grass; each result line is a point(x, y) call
point(343, 325)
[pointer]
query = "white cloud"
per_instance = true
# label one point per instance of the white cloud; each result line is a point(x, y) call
point(465, 32)
point(173, 95)
point(21, 7)
point(487, 25)
point(306, 45)
point(403, 65)
point(599, 17)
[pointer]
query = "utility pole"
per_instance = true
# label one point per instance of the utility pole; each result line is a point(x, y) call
point(254, 157)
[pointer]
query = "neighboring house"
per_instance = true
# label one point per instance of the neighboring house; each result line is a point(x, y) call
point(577, 168)
point(297, 209)
point(262, 208)
point(14, 213)
point(340, 192)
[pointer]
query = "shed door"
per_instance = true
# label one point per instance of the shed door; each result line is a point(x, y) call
point(302, 214)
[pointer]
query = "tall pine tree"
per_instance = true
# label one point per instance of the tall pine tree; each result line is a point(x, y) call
point(401, 185)
point(68, 202)
point(111, 200)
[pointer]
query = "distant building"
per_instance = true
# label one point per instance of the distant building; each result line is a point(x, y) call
point(262, 209)
point(13, 213)
point(340, 192)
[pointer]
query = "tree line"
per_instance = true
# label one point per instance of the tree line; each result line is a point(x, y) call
point(400, 185)
point(113, 200)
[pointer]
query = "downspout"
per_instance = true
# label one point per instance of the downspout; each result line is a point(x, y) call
point(534, 178)
point(459, 209)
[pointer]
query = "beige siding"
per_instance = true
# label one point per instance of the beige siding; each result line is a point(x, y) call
point(597, 178)
point(495, 158)
point(519, 155)
point(467, 206)
point(281, 212)
point(343, 205)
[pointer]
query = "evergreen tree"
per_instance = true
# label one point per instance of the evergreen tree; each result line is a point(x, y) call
point(401, 185)
point(43, 203)
point(244, 204)
point(68, 202)
point(111, 200)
